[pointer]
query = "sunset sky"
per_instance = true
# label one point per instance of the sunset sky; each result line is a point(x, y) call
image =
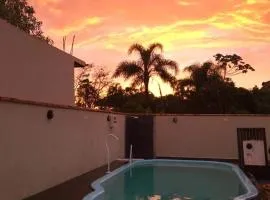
point(190, 30)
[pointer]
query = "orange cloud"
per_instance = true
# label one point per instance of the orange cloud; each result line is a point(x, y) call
point(251, 2)
point(76, 27)
point(186, 3)
point(45, 2)
point(199, 33)
point(195, 28)
point(55, 11)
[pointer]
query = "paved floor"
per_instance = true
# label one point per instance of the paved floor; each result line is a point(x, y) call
point(264, 188)
point(74, 189)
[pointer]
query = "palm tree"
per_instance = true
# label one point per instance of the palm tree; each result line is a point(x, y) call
point(200, 74)
point(206, 88)
point(149, 64)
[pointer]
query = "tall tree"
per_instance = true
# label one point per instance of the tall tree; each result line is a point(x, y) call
point(266, 85)
point(244, 101)
point(262, 98)
point(205, 90)
point(22, 15)
point(87, 95)
point(115, 97)
point(200, 74)
point(149, 64)
point(91, 85)
point(124, 100)
point(232, 65)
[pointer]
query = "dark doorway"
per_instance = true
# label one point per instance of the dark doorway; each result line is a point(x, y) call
point(139, 134)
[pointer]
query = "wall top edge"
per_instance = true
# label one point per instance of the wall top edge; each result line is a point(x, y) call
point(71, 107)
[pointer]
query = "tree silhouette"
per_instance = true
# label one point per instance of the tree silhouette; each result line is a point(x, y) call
point(22, 15)
point(149, 64)
point(205, 89)
point(232, 65)
point(91, 85)
point(200, 75)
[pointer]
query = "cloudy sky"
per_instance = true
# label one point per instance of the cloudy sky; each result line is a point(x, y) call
point(190, 30)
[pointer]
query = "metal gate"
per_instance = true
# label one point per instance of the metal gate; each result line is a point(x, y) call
point(139, 134)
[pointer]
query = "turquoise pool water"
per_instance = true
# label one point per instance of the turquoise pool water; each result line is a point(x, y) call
point(174, 180)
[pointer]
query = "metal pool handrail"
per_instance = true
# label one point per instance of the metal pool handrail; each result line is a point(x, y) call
point(108, 151)
point(130, 154)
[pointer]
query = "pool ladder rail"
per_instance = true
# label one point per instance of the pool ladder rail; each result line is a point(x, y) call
point(130, 154)
point(130, 159)
point(108, 151)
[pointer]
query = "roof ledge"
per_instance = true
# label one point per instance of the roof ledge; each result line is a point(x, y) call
point(79, 63)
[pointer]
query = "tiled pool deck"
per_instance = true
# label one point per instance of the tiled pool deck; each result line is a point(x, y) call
point(78, 187)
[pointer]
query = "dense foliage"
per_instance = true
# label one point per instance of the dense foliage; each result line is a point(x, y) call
point(208, 88)
point(22, 15)
point(91, 86)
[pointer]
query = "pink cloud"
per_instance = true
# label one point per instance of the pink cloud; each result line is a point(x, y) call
point(190, 30)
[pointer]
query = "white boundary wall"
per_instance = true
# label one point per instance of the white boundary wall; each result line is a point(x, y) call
point(203, 136)
point(36, 154)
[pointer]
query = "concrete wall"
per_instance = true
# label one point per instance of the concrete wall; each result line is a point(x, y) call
point(203, 136)
point(36, 154)
point(34, 70)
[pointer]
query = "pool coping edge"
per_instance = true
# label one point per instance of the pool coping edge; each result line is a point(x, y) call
point(252, 192)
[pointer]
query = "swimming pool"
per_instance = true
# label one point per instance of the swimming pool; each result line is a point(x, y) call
point(174, 180)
